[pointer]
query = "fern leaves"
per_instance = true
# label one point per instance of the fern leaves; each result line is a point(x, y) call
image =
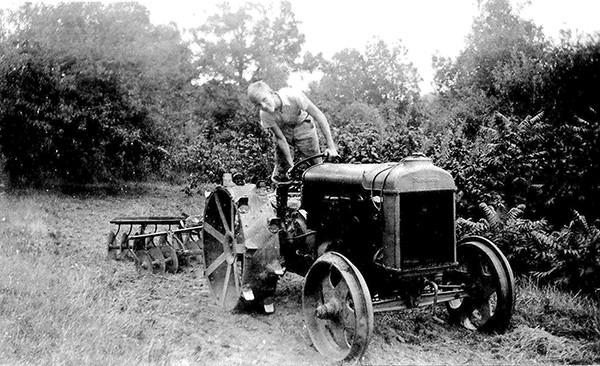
point(568, 257)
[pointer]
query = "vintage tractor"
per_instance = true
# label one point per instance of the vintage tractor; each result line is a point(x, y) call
point(368, 238)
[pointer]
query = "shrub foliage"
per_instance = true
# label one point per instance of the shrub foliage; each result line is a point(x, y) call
point(568, 258)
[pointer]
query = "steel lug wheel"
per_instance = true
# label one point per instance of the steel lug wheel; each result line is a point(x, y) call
point(223, 248)
point(124, 252)
point(489, 303)
point(337, 308)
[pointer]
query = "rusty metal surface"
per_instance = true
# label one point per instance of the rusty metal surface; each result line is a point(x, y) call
point(404, 210)
point(340, 174)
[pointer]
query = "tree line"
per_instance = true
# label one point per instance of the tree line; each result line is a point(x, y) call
point(93, 93)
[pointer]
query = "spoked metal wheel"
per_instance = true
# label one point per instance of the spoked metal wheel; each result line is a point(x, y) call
point(223, 248)
point(489, 283)
point(337, 308)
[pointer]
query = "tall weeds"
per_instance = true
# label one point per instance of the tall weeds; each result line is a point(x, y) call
point(54, 309)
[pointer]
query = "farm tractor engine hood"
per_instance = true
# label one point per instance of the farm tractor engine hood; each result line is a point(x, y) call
point(413, 174)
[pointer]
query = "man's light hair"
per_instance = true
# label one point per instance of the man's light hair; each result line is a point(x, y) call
point(257, 90)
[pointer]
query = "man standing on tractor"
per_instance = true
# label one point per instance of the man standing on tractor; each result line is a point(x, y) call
point(291, 118)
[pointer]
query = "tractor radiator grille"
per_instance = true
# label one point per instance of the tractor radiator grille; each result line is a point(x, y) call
point(426, 229)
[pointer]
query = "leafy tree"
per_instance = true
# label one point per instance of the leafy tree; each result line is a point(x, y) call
point(508, 73)
point(152, 62)
point(381, 77)
point(500, 69)
point(250, 43)
point(571, 107)
point(63, 122)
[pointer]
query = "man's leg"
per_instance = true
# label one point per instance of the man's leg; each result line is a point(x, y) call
point(281, 179)
point(280, 167)
point(307, 141)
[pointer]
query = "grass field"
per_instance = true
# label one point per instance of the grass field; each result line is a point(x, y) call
point(63, 303)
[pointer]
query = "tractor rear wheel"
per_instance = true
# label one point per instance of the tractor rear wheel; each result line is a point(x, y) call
point(223, 248)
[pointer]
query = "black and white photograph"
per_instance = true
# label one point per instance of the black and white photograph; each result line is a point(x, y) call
point(299, 182)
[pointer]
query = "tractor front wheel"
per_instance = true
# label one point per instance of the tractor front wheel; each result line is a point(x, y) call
point(489, 284)
point(337, 308)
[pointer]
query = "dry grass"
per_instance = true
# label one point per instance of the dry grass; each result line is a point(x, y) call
point(61, 303)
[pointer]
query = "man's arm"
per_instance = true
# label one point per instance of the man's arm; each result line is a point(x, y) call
point(323, 124)
point(281, 144)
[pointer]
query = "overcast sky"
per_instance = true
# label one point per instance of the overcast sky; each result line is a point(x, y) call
point(424, 26)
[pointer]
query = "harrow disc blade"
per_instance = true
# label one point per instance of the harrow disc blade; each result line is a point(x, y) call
point(143, 262)
point(158, 260)
point(193, 246)
point(171, 261)
point(113, 250)
point(124, 253)
point(161, 240)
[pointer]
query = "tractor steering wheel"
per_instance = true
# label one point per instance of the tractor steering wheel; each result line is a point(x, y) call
point(294, 169)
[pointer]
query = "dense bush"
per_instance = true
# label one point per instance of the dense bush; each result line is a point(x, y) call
point(207, 160)
point(89, 92)
point(529, 160)
point(62, 120)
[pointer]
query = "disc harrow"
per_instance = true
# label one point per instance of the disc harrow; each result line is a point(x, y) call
point(156, 244)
